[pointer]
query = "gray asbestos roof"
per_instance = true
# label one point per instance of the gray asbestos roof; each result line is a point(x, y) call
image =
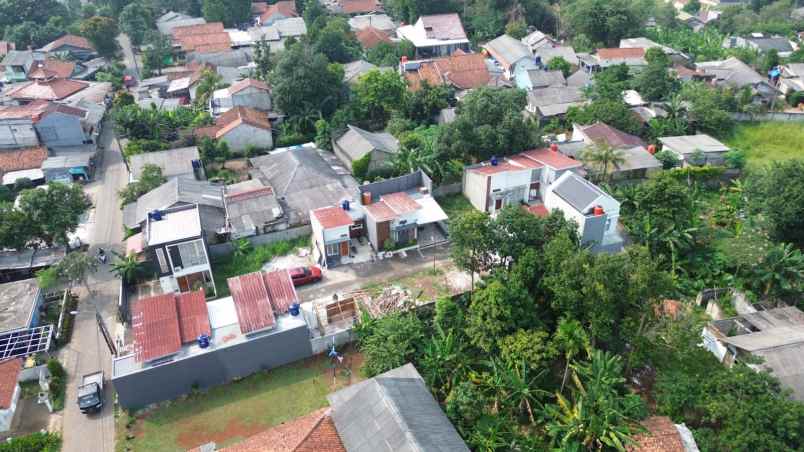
point(17, 57)
point(580, 78)
point(507, 49)
point(21, 260)
point(777, 43)
point(176, 191)
point(577, 192)
point(687, 144)
point(356, 142)
point(303, 179)
point(393, 412)
point(249, 205)
point(541, 79)
point(637, 158)
point(732, 72)
point(174, 162)
point(547, 53)
point(17, 302)
point(378, 21)
point(554, 100)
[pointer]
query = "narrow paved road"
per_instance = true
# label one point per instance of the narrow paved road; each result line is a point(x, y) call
point(87, 351)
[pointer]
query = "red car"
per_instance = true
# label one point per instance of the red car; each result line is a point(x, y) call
point(304, 275)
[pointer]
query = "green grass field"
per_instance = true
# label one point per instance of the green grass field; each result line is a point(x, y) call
point(765, 142)
point(230, 413)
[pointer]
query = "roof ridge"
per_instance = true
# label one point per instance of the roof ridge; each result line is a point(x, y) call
point(324, 414)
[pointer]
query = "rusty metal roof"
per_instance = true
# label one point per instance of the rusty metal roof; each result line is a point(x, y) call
point(252, 302)
point(193, 315)
point(155, 324)
point(281, 290)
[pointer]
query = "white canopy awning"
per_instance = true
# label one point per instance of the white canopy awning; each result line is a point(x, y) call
point(430, 212)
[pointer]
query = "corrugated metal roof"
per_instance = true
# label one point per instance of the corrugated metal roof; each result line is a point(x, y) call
point(252, 302)
point(281, 291)
point(9, 372)
point(332, 217)
point(193, 315)
point(579, 193)
point(155, 325)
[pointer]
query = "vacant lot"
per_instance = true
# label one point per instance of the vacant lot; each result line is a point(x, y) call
point(230, 413)
point(765, 142)
point(251, 260)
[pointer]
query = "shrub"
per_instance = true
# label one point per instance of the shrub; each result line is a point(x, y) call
point(360, 167)
point(735, 158)
point(35, 442)
point(58, 383)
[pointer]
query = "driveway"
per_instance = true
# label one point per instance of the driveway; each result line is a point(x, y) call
point(87, 351)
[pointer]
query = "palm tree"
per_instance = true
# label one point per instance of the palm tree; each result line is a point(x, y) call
point(782, 270)
point(522, 388)
point(571, 338)
point(209, 82)
point(127, 268)
point(444, 362)
point(603, 157)
point(241, 247)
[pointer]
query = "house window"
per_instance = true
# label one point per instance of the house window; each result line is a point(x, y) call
point(160, 256)
point(333, 249)
point(189, 254)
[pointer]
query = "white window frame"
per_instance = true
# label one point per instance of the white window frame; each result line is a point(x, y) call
point(160, 256)
point(332, 246)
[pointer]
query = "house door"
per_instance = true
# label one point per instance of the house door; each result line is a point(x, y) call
point(184, 284)
point(498, 204)
point(345, 248)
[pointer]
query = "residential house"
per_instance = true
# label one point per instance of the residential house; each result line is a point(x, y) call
point(251, 209)
point(392, 411)
point(50, 68)
point(519, 179)
point(9, 391)
point(379, 21)
point(268, 14)
point(436, 35)
point(276, 34)
point(356, 69)
point(304, 179)
point(733, 73)
point(24, 264)
point(202, 38)
point(512, 55)
point(661, 435)
point(356, 144)
point(774, 337)
point(594, 211)
point(370, 37)
point(546, 54)
point(69, 167)
point(17, 64)
point(532, 78)
point(792, 78)
point(645, 43)
point(686, 148)
point(72, 46)
point(171, 19)
point(355, 7)
point(22, 163)
point(52, 89)
point(332, 233)
point(20, 304)
point(17, 127)
point(185, 83)
point(634, 58)
point(241, 128)
point(686, 74)
point(549, 102)
point(463, 71)
point(580, 79)
point(637, 161)
point(182, 343)
point(55, 125)
point(536, 40)
point(249, 93)
point(175, 242)
point(177, 192)
point(173, 163)
point(762, 43)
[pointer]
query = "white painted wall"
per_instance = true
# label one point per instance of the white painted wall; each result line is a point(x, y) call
point(553, 201)
point(474, 188)
point(7, 415)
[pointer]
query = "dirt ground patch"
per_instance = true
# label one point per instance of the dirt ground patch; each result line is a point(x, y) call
point(234, 430)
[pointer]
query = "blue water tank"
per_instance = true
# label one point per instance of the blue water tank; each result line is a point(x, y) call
point(155, 215)
point(294, 309)
point(203, 341)
point(494, 161)
point(345, 204)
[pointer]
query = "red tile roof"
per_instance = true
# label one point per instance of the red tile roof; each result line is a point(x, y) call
point(69, 40)
point(252, 302)
point(314, 432)
point(463, 70)
point(619, 54)
point(51, 68)
point(525, 162)
point(400, 202)
point(371, 37)
point(9, 372)
point(553, 159)
point(22, 159)
point(38, 109)
point(539, 210)
point(494, 169)
point(193, 315)
point(55, 89)
point(248, 83)
point(234, 118)
point(332, 217)
point(662, 436)
point(615, 138)
point(286, 8)
point(155, 324)
point(360, 6)
point(202, 38)
point(281, 290)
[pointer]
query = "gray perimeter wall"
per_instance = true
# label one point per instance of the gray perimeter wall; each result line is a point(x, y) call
point(224, 249)
point(771, 116)
point(220, 366)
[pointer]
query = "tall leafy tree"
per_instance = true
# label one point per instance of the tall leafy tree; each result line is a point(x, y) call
point(777, 192)
point(377, 94)
point(605, 21)
point(336, 41)
point(603, 158)
point(655, 82)
point(101, 31)
point(134, 21)
point(55, 212)
point(304, 81)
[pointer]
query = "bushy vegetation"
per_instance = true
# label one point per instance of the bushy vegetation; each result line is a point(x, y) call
point(35, 442)
point(251, 259)
point(58, 383)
